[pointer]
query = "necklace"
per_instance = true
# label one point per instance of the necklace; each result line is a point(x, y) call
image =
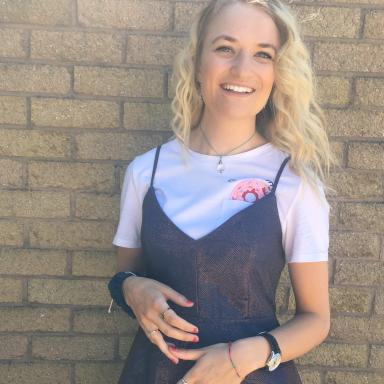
point(220, 165)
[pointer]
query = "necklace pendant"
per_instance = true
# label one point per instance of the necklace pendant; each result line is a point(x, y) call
point(220, 166)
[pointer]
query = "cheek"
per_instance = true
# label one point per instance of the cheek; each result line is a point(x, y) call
point(268, 77)
point(212, 67)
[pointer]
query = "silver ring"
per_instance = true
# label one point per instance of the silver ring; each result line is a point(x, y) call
point(184, 381)
point(162, 314)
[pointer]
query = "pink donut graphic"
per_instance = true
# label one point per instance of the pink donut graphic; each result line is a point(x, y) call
point(251, 190)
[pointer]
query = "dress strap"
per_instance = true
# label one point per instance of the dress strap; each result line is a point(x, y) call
point(279, 172)
point(155, 163)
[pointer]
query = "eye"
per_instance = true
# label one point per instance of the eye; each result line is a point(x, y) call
point(268, 56)
point(223, 47)
point(227, 49)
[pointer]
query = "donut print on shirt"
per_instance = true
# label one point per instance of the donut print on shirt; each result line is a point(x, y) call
point(251, 190)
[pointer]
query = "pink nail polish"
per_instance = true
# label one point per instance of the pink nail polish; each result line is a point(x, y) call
point(195, 339)
point(195, 330)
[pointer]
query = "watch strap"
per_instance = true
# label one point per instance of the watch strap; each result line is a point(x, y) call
point(271, 340)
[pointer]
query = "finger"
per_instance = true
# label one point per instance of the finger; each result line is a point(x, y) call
point(171, 325)
point(188, 354)
point(172, 318)
point(176, 333)
point(175, 296)
point(157, 339)
point(165, 348)
point(171, 331)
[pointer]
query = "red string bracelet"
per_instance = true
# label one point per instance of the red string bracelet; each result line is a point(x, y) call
point(230, 358)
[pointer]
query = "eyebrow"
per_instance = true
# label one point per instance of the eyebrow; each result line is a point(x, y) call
point(233, 40)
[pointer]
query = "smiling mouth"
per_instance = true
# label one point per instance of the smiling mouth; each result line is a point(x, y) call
point(230, 91)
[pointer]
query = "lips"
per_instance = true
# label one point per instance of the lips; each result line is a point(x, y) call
point(237, 85)
point(230, 91)
point(235, 93)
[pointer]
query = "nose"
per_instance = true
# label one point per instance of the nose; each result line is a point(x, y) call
point(242, 65)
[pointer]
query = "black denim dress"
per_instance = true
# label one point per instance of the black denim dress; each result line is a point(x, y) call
point(231, 275)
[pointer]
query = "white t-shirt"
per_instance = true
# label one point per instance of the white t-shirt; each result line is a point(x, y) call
point(198, 199)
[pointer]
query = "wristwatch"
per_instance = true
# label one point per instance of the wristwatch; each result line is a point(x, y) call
point(274, 358)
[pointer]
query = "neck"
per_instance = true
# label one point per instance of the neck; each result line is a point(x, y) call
point(225, 136)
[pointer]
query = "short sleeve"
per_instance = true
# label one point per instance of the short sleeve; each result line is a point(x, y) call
point(307, 226)
point(128, 231)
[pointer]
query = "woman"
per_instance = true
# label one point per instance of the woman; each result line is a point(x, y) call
point(209, 219)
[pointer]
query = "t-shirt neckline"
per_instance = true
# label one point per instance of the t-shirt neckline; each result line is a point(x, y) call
point(234, 157)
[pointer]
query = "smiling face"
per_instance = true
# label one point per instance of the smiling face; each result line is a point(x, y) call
point(239, 49)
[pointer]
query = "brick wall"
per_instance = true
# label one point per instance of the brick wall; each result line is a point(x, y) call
point(84, 87)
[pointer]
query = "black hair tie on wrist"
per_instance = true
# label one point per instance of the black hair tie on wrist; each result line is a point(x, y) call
point(115, 286)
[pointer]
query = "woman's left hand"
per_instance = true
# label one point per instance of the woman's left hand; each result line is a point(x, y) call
point(213, 365)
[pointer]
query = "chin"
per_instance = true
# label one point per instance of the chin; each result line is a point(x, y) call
point(237, 113)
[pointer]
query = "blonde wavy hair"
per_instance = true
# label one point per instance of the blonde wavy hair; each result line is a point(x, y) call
point(292, 119)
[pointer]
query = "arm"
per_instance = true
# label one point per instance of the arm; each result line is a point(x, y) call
point(307, 329)
point(129, 259)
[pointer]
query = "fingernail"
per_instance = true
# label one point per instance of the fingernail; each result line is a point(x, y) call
point(175, 361)
point(173, 348)
point(195, 339)
point(195, 330)
point(189, 302)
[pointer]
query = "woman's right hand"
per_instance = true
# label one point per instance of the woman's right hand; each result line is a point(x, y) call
point(148, 300)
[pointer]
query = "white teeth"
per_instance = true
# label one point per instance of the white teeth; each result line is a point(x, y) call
point(237, 89)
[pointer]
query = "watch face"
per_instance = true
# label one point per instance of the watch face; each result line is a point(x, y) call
point(274, 361)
